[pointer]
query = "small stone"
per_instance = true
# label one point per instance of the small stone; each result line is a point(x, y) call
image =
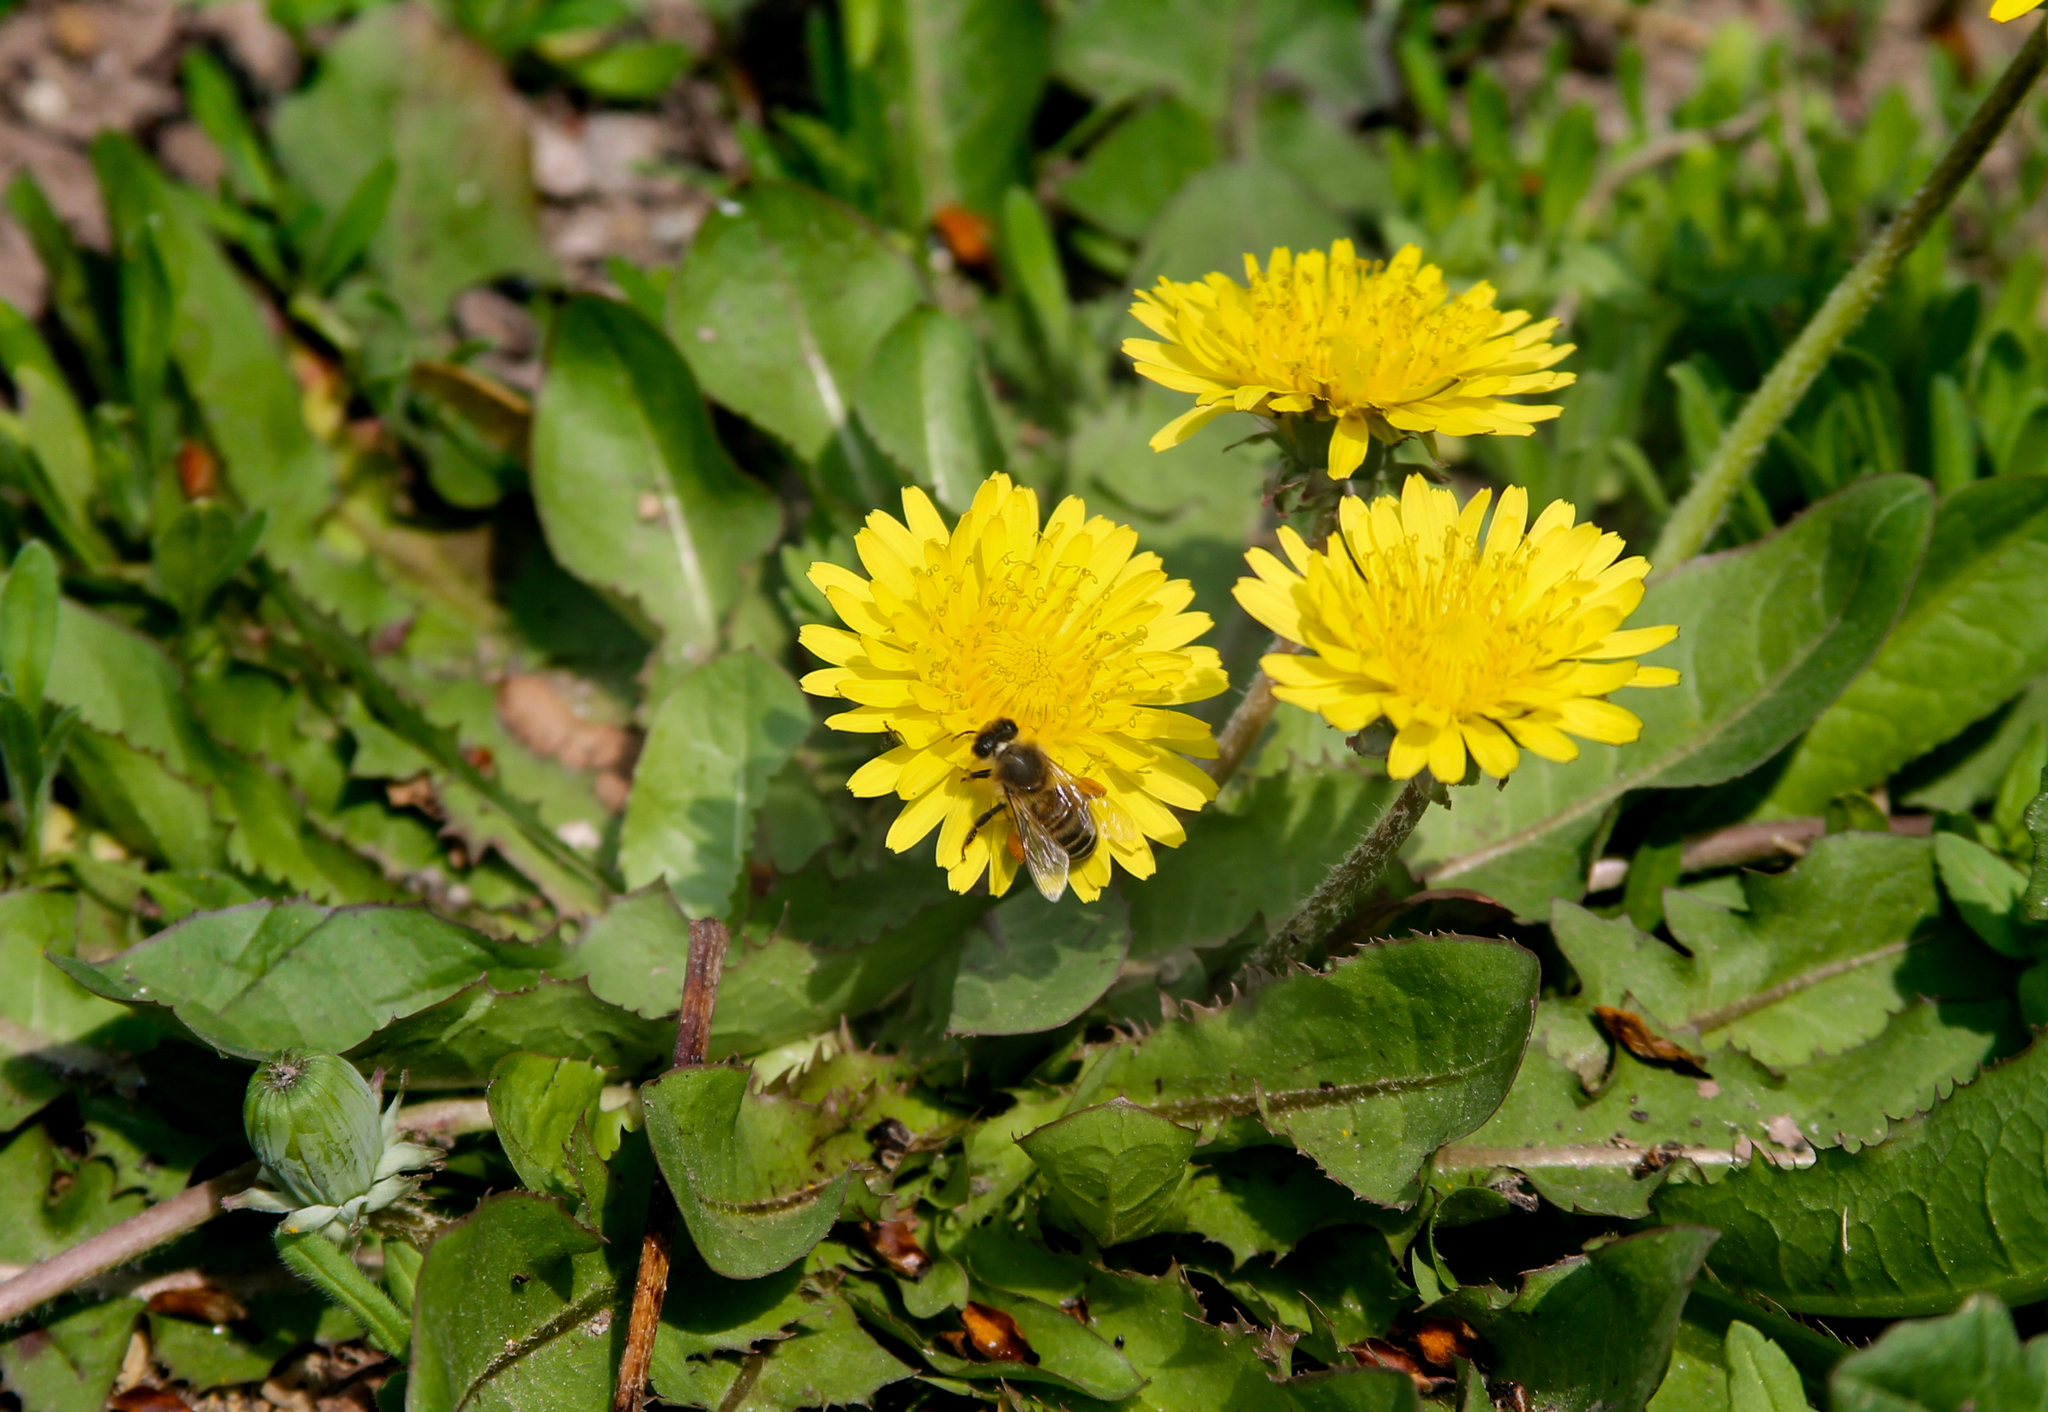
point(1639, 1115)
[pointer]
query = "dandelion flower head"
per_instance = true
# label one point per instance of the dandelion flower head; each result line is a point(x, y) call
point(1062, 629)
point(1465, 646)
point(1379, 346)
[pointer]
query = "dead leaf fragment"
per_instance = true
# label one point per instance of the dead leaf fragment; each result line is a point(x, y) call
point(1633, 1033)
point(201, 1304)
point(995, 1336)
point(895, 1245)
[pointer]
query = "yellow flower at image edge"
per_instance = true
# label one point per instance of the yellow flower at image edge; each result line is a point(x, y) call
point(2004, 10)
point(1062, 630)
point(1464, 646)
point(1380, 347)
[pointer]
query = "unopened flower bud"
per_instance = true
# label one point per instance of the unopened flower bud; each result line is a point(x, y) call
point(313, 1121)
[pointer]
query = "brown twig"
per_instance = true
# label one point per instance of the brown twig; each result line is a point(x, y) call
point(132, 1238)
point(1745, 843)
point(708, 944)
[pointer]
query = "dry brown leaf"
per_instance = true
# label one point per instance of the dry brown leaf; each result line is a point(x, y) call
point(1631, 1032)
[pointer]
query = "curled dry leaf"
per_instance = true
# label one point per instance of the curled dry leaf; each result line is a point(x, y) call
point(968, 234)
point(895, 1245)
point(198, 470)
point(200, 1304)
point(1631, 1032)
point(993, 1335)
point(147, 1399)
point(534, 710)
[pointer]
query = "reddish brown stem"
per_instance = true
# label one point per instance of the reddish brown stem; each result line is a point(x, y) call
point(131, 1239)
point(708, 943)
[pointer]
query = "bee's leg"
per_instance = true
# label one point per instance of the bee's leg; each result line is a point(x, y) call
point(979, 822)
point(979, 774)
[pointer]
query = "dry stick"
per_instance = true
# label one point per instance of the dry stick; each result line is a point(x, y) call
point(1341, 888)
point(1693, 523)
point(708, 943)
point(116, 1246)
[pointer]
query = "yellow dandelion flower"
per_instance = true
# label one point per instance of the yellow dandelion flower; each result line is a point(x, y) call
point(1379, 346)
point(2004, 10)
point(1463, 646)
point(1063, 631)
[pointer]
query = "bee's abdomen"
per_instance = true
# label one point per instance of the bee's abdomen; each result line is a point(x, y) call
point(1076, 834)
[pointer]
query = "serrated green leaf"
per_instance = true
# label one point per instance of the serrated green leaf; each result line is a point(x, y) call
point(827, 1360)
point(1185, 1361)
point(1968, 640)
point(540, 1106)
point(69, 1364)
point(1593, 1331)
point(1768, 635)
point(1368, 1069)
point(1033, 965)
point(1118, 1169)
point(1971, 1359)
point(716, 740)
point(783, 296)
point(1594, 1153)
point(748, 1212)
point(1336, 1290)
point(636, 492)
point(1796, 973)
point(514, 1311)
point(1262, 1201)
point(1954, 1201)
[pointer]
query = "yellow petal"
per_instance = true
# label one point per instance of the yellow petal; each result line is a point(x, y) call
point(2006, 10)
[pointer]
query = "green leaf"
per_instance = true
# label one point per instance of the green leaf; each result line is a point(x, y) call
point(1368, 1069)
point(1593, 1152)
point(1354, 1390)
point(827, 1360)
point(456, 1042)
point(43, 1215)
point(716, 740)
point(355, 227)
point(540, 1107)
point(1593, 1331)
point(633, 73)
point(273, 975)
point(213, 1355)
point(1760, 1377)
point(708, 1313)
point(1186, 1362)
point(1132, 173)
point(1229, 211)
point(636, 493)
point(203, 546)
point(54, 429)
point(1262, 1201)
point(780, 302)
point(321, 1263)
point(49, 1023)
point(399, 86)
point(514, 1314)
point(1118, 50)
point(746, 1218)
point(1988, 891)
point(69, 1364)
point(1969, 639)
point(1795, 973)
point(1033, 965)
point(924, 400)
point(1338, 1290)
point(1954, 1201)
point(211, 95)
point(1118, 1169)
point(1768, 635)
point(28, 624)
point(1970, 1361)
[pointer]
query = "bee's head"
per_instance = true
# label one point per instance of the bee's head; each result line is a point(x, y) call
point(994, 736)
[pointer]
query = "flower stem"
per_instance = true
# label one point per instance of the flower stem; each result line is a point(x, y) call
point(321, 1263)
point(1341, 889)
point(1700, 513)
point(709, 942)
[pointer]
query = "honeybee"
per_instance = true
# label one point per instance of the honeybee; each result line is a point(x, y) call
point(1055, 828)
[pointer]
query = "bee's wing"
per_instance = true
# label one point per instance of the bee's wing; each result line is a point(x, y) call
point(1117, 826)
point(1112, 823)
point(1046, 859)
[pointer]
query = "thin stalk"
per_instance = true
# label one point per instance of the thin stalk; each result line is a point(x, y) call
point(1700, 513)
point(709, 941)
point(117, 1245)
point(1341, 889)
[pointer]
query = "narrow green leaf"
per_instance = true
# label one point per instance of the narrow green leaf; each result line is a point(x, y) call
point(1768, 635)
point(1368, 1069)
point(53, 427)
point(1033, 965)
point(636, 492)
point(923, 399)
point(1033, 261)
point(211, 95)
point(780, 301)
point(716, 740)
point(1118, 1169)
point(355, 227)
point(28, 624)
point(746, 1217)
point(321, 1263)
point(1953, 1201)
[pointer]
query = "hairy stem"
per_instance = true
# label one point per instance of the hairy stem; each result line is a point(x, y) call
point(1700, 513)
point(709, 942)
point(117, 1245)
point(321, 1263)
point(1341, 889)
